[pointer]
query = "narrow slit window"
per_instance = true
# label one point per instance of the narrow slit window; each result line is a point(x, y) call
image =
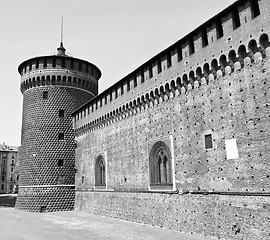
point(71, 63)
point(179, 53)
point(116, 93)
point(54, 62)
point(142, 77)
point(60, 163)
point(219, 29)
point(82, 179)
point(128, 85)
point(135, 81)
point(208, 141)
point(63, 62)
point(159, 68)
point(122, 89)
point(204, 38)
point(61, 136)
point(110, 96)
point(150, 71)
point(61, 113)
point(45, 95)
point(255, 8)
point(45, 63)
point(236, 19)
point(191, 47)
point(37, 63)
point(169, 60)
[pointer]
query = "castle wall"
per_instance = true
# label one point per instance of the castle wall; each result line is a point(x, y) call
point(221, 51)
point(205, 105)
point(234, 106)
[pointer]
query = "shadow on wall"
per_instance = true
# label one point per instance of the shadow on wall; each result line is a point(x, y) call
point(8, 200)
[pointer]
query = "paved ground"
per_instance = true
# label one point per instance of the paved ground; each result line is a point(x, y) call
point(75, 225)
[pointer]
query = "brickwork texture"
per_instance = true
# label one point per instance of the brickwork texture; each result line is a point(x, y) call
point(220, 185)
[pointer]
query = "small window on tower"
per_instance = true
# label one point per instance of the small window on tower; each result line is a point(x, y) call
point(61, 136)
point(60, 163)
point(61, 113)
point(208, 141)
point(45, 95)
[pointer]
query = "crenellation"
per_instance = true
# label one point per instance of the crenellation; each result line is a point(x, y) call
point(182, 142)
point(161, 61)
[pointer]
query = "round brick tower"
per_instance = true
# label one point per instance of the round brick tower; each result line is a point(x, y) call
point(53, 87)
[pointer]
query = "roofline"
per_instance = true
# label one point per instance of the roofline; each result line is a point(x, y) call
point(58, 56)
point(182, 40)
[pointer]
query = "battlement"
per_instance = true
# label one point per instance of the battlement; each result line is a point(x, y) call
point(227, 42)
point(59, 70)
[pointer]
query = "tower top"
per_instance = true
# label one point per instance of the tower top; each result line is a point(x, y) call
point(61, 50)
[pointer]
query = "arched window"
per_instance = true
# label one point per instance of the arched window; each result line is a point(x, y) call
point(160, 166)
point(100, 172)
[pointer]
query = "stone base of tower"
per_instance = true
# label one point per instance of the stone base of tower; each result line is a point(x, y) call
point(46, 199)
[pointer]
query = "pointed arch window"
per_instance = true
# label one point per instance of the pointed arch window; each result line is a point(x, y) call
point(160, 166)
point(100, 172)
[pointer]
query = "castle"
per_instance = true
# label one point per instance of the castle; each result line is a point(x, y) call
point(182, 142)
point(53, 87)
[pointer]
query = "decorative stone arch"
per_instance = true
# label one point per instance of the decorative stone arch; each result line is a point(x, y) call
point(191, 76)
point(43, 80)
point(199, 73)
point(173, 85)
point(100, 172)
point(242, 51)
point(264, 41)
point(223, 61)
point(185, 80)
point(253, 47)
point(178, 83)
point(160, 166)
point(156, 96)
point(214, 65)
point(53, 80)
point(206, 69)
point(232, 59)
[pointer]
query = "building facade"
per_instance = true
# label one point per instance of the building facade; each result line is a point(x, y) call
point(182, 142)
point(9, 181)
point(53, 87)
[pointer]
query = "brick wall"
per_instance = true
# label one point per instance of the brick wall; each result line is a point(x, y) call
point(231, 106)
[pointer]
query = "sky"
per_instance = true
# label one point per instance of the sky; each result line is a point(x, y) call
point(116, 35)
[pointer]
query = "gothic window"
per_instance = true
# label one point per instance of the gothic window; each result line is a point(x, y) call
point(100, 172)
point(160, 165)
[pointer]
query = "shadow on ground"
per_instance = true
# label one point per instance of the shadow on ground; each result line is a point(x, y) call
point(8, 200)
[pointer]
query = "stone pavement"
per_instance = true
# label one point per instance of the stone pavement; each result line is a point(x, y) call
point(75, 225)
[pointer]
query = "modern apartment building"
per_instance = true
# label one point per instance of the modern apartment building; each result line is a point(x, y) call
point(9, 178)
